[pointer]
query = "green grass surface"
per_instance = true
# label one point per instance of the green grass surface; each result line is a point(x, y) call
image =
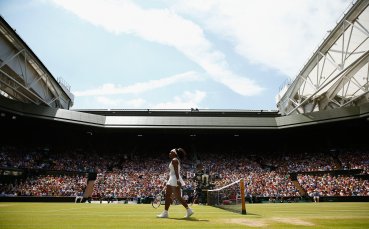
point(287, 215)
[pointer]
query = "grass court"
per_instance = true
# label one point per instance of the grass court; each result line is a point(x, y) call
point(278, 215)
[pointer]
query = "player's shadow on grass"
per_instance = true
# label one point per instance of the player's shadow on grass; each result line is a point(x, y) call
point(191, 219)
point(249, 213)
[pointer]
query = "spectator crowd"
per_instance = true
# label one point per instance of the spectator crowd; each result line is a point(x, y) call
point(139, 175)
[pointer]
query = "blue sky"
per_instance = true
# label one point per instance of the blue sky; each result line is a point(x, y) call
point(173, 54)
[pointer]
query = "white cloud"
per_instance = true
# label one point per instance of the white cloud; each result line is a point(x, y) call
point(166, 27)
point(107, 102)
point(278, 34)
point(112, 89)
point(186, 101)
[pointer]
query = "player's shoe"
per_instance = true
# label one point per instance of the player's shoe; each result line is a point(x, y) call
point(164, 214)
point(189, 213)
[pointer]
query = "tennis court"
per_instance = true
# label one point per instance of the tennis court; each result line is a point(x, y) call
point(277, 215)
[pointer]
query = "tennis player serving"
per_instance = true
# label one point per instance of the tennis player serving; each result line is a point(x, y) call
point(175, 182)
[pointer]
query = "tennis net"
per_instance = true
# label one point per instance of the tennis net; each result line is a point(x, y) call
point(230, 197)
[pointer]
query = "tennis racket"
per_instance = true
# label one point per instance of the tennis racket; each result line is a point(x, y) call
point(158, 198)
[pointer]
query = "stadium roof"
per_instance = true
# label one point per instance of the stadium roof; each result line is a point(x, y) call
point(182, 112)
point(23, 77)
point(336, 75)
point(146, 119)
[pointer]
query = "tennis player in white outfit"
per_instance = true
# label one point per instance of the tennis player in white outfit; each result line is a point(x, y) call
point(175, 182)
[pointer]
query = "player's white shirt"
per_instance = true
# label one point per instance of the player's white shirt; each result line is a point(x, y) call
point(172, 175)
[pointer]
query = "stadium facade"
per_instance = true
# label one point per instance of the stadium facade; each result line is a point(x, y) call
point(324, 109)
point(340, 96)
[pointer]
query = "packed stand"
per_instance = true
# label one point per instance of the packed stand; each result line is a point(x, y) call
point(143, 174)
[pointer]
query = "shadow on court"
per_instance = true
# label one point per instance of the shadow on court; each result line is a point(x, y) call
point(249, 213)
point(191, 219)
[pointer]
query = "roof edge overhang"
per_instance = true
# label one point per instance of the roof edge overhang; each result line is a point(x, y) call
point(184, 122)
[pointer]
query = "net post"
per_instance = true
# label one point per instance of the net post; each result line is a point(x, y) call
point(242, 187)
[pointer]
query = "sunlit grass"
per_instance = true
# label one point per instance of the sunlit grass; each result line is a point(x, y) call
point(281, 215)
